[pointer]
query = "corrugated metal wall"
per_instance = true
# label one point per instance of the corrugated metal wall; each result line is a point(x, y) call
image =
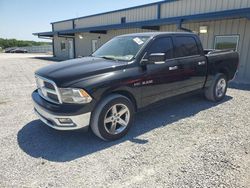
point(61, 54)
point(83, 46)
point(63, 25)
point(239, 27)
point(132, 15)
point(189, 7)
point(168, 9)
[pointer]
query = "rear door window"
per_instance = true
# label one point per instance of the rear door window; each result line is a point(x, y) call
point(186, 46)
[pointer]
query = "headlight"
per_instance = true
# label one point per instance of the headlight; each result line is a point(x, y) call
point(72, 95)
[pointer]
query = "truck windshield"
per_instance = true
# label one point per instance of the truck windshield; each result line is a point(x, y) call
point(122, 48)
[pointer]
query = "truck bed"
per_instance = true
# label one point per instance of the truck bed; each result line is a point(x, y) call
point(214, 51)
point(225, 61)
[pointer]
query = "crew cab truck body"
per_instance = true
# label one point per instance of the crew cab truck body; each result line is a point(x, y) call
point(128, 73)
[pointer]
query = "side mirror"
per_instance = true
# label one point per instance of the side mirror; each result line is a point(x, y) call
point(155, 58)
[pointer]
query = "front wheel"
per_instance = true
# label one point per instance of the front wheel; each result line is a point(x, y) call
point(112, 117)
point(217, 91)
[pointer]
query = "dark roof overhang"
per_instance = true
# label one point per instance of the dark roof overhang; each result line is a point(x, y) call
point(45, 34)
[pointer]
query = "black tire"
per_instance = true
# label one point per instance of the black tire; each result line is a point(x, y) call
point(100, 113)
point(211, 92)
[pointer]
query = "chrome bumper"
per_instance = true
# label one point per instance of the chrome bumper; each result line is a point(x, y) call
point(77, 121)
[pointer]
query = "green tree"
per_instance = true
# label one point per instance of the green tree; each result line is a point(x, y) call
point(7, 43)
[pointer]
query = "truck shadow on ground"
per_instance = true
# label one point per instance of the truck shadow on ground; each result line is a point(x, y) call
point(38, 140)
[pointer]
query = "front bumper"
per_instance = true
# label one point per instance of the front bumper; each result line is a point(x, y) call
point(55, 120)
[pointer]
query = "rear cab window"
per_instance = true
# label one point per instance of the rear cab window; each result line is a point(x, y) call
point(186, 46)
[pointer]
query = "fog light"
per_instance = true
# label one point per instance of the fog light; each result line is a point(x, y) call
point(65, 120)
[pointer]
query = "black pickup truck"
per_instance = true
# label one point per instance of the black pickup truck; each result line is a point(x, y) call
point(126, 74)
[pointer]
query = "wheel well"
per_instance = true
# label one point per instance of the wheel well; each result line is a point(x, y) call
point(225, 72)
point(128, 95)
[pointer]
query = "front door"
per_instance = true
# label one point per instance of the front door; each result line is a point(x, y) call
point(161, 80)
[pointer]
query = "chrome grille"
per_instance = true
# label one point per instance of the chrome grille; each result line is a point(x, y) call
point(48, 89)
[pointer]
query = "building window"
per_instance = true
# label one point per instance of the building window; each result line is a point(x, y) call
point(123, 20)
point(226, 42)
point(63, 46)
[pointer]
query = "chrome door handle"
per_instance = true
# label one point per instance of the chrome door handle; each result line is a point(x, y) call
point(201, 63)
point(173, 68)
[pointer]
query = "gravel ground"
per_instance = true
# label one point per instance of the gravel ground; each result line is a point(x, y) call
point(186, 143)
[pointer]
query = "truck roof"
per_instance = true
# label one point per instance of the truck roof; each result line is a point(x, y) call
point(153, 34)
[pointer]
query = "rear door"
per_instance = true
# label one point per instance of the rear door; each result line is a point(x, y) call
point(192, 62)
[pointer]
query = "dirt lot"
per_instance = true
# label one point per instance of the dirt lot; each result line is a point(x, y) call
point(186, 143)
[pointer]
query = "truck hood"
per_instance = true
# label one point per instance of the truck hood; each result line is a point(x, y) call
point(68, 72)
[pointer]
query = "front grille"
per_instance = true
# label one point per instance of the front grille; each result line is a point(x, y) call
point(48, 89)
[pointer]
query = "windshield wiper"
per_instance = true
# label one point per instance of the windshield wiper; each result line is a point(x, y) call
point(108, 57)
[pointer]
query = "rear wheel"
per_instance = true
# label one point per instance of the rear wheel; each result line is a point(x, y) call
point(113, 117)
point(217, 91)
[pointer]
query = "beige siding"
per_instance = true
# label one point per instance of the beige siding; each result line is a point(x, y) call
point(239, 27)
point(168, 9)
point(188, 7)
point(83, 46)
point(132, 15)
point(63, 25)
point(220, 27)
point(61, 54)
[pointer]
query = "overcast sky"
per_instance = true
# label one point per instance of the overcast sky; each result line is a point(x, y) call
point(20, 18)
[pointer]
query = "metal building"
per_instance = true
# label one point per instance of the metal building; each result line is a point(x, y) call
point(220, 24)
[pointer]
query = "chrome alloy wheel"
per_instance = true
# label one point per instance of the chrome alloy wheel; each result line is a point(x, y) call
point(116, 119)
point(221, 87)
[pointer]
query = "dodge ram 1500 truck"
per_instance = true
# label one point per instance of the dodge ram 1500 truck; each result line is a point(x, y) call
point(126, 74)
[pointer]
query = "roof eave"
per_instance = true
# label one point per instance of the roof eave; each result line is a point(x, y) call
point(235, 13)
